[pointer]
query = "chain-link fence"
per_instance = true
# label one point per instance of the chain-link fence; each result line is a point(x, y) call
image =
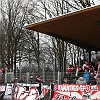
point(47, 78)
point(57, 77)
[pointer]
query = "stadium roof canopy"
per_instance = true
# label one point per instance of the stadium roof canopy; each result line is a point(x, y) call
point(81, 28)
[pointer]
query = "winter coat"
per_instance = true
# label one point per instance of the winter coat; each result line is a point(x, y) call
point(92, 80)
point(86, 76)
point(98, 79)
point(68, 76)
point(81, 80)
point(80, 73)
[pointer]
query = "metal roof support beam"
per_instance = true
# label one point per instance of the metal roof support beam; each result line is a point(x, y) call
point(89, 56)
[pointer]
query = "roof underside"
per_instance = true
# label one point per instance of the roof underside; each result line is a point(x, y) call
point(81, 28)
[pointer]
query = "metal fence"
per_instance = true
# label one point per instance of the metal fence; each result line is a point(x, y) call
point(47, 78)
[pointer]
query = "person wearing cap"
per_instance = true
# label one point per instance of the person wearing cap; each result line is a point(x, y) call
point(81, 80)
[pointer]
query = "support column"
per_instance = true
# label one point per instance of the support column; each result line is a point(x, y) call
point(89, 56)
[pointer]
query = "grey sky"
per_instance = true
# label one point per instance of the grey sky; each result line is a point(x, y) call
point(97, 2)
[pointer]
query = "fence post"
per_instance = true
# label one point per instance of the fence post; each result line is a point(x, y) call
point(43, 72)
point(59, 76)
point(5, 78)
point(27, 77)
point(12, 74)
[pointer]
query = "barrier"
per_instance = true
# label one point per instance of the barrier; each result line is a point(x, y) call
point(76, 92)
point(9, 91)
point(2, 88)
point(60, 92)
point(21, 93)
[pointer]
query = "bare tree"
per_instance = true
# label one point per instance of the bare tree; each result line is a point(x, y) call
point(19, 45)
point(13, 19)
point(56, 8)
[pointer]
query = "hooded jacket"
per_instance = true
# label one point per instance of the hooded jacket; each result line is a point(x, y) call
point(81, 80)
point(86, 75)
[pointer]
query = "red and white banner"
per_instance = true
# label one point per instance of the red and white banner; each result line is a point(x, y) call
point(76, 92)
point(20, 93)
point(8, 91)
point(2, 88)
point(61, 92)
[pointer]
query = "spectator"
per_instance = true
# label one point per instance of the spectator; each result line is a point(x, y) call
point(98, 71)
point(70, 73)
point(98, 79)
point(70, 68)
point(73, 72)
point(3, 72)
point(80, 73)
point(65, 80)
point(96, 67)
point(14, 80)
point(78, 68)
point(31, 79)
point(86, 65)
point(18, 70)
point(92, 69)
point(73, 76)
point(86, 75)
point(92, 80)
point(39, 79)
point(22, 79)
point(68, 76)
point(81, 80)
point(6, 70)
point(95, 74)
point(0, 71)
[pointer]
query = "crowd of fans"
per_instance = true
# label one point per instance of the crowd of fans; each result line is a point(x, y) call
point(32, 79)
point(88, 73)
point(3, 71)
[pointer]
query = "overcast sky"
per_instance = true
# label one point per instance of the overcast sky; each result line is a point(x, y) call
point(97, 2)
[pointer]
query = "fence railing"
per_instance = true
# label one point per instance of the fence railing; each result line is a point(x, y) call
point(49, 78)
